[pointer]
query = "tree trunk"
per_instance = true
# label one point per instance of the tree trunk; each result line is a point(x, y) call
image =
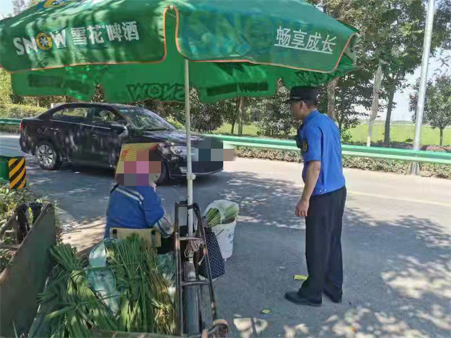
point(441, 137)
point(375, 105)
point(237, 112)
point(159, 107)
point(240, 116)
point(341, 118)
point(389, 111)
point(331, 98)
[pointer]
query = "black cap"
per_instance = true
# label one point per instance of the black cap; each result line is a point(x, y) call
point(303, 94)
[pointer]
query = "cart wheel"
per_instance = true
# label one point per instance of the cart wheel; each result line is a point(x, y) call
point(190, 301)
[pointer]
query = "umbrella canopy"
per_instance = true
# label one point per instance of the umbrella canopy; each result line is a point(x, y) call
point(139, 49)
point(135, 49)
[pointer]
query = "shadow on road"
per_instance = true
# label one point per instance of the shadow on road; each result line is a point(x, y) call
point(398, 272)
point(405, 279)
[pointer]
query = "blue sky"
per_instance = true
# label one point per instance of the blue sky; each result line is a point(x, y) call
point(401, 111)
point(6, 7)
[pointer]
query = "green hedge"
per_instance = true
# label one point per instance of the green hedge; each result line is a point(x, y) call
point(17, 111)
point(20, 111)
point(393, 166)
point(9, 129)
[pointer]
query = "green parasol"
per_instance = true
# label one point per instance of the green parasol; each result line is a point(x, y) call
point(159, 49)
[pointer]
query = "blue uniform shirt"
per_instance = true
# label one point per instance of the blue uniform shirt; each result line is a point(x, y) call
point(319, 140)
point(133, 207)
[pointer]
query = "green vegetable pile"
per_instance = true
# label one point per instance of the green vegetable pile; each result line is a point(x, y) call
point(145, 303)
point(213, 215)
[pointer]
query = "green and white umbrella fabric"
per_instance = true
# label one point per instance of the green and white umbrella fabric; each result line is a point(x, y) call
point(158, 49)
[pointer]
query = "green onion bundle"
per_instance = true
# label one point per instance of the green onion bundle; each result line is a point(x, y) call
point(78, 308)
point(145, 303)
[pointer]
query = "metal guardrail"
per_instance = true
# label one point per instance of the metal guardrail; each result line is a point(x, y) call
point(11, 122)
point(347, 150)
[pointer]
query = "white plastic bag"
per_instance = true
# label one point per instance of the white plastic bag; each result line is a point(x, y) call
point(223, 206)
point(225, 229)
point(102, 281)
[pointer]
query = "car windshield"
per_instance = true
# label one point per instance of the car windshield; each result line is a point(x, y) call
point(141, 118)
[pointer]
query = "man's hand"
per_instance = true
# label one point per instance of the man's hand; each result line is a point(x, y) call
point(313, 170)
point(302, 208)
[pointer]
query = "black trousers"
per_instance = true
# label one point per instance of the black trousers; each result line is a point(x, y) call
point(323, 243)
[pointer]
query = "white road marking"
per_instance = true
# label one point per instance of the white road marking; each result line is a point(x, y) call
point(413, 200)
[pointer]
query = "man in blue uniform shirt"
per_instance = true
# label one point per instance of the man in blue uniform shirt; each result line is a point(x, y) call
point(323, 199)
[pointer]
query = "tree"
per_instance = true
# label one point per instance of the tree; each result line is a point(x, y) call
point(5, 87)
point(437, 108)
point(402, 40)
point(391, 31)
point(19, 6)
point(375, 104)
point(353, 97)
point(277, 119)
point(231, 112)
point(238, 111)
point(204, 117)
point(445, 67)
point(349, 11)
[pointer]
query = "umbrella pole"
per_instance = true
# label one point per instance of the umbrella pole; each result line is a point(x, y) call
point(189, 175)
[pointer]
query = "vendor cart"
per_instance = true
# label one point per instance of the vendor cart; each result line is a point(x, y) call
point(192, 317)
point(189, 306)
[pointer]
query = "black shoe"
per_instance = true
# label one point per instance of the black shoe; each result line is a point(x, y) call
point(335, 296)
point(296, 298)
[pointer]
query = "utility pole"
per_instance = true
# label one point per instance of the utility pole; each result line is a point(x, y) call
point(415, 168)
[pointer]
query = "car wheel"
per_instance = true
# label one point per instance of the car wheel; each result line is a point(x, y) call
point(164, 177)
point(47, 156)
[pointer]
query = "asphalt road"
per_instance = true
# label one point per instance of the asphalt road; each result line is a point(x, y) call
point(396, 242)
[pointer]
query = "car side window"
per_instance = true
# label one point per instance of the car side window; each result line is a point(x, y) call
point(104, 117)
point(72, 114)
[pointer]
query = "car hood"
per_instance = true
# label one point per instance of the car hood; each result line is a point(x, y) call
point(171, 136)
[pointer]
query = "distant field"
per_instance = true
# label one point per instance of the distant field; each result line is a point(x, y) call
point(400, 132)
point(250, 130)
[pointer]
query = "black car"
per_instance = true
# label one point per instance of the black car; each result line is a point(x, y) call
point(93, 134)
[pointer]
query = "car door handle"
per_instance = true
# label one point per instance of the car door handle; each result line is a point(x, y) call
point(94, 135)
point(53, 129)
